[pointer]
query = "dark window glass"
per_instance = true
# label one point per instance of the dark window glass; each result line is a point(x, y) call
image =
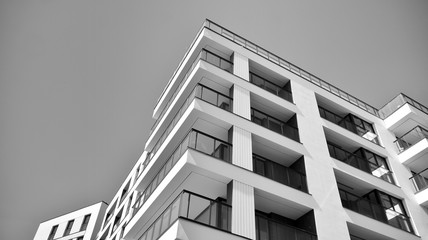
point(53, 231)
point(85, 222)
point(68, 228)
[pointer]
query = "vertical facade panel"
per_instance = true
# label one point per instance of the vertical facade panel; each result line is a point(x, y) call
point(241, 102)
point(242, 148)
point(240, 66)
point(243, 210)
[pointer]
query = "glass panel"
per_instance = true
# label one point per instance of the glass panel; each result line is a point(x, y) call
point(204, 144)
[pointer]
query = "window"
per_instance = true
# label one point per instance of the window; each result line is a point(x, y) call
point(80, 238)
point(68, 228)
point(85, 222)
point(53, 231)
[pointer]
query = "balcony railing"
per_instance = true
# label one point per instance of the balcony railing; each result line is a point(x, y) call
point(195, 208)
point(201, 92)
point(397, 103)
point(279, 173)
point(274, 124)
point(348, 125)
point(420, 180)
point(207, 56)
point(289, 66)
point(360, 163)
point(195, 140)
point(375, 211)
point(411, 138)
point(270, 229)
point(271, 87)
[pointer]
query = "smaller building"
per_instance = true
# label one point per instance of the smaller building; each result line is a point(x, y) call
point(82, 224)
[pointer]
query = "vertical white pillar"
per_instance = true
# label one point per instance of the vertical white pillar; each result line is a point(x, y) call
point(242, 148)
point(241, 96)
point(240, 66)
point(330, 218)
point(243, 209)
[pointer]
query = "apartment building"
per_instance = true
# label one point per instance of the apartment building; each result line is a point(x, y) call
point(82, 224)
point(249, 146)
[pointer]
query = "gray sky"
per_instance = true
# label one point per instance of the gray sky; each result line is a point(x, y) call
point(79, 80)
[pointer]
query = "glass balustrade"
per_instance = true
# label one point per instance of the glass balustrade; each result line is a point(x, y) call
point(274, 124)
point(206, 56)
point(361, 163)
point(289, 66)
point(201, 92)
point(195, 140)
point(279, 173)
point(397, 103)
point(187, 205)
point(282, 92)
point(420, 180)
point(375, 211)
point(362, 129)
point(411, 138)
point(271, 229)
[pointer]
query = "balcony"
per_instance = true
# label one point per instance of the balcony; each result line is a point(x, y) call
point(289, 66)
point(279, 173)
point(397, 103)
point(282, 92)
point(411, 138)
point(274, 124)
point(195, 140)
point(389, 211)
point(199, 209)
point(275, 227)
point(351, 123)
point(420, 183)
point(376, 166)
point(412, 148)
point(201, 92)
point(206, 56)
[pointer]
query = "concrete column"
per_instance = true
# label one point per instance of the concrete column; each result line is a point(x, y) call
point(331, 221)
point(240, 66)
point(241, 197)
point(241, 102)
point(242, 148)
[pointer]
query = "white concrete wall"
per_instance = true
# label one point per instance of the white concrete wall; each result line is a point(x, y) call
point(96, 211)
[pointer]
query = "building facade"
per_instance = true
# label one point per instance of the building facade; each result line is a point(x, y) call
point(249, 146)
point(82, 224)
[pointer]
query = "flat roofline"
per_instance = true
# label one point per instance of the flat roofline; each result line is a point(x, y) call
point(224, 32)
point(74, 211)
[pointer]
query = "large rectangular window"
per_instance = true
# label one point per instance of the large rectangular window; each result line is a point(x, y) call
point(53, 231)
point(85, 222)
point(68, 228)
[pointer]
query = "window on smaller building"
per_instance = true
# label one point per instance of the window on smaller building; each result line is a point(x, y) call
point(68, 228)
point(80, 238)
point(85, 222)
point(53, 231)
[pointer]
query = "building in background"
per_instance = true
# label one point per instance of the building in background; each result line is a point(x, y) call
point(249, 146)
point(82, 224)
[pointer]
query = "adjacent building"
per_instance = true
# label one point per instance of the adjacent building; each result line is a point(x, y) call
point(247, 145)
point(82, 224)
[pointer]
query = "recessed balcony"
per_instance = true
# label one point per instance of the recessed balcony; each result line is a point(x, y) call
point(290, 176)
point(351, 123)
point(271, 226)
point(364, 160)
point(288, 129)
point(283, 92)
point(413, 147)
point(379, 206)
